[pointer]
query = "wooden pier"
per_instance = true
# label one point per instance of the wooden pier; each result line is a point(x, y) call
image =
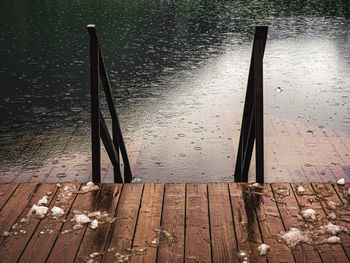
point(194, 222)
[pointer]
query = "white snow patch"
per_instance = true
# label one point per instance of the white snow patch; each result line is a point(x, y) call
point(77, 227)
point(5, 234)
point(309, 214)
point(333, 240)
point(294, 236)
point(242, 254)
point(94, 214)
point(38, 211)
point(256, 185)
point(263, 248)
point(57, 212)
point(333, 229)
point(81, 219)
point(58, 185)
point(301, 189)
point(341, 181)
point(93, 255)
point(43, 201)
point(23, 220)
point(94, 224)
point(332, 216)
point(90, 186)
point(332, 205)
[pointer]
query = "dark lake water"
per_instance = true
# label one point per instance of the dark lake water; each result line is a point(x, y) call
point(178, 71)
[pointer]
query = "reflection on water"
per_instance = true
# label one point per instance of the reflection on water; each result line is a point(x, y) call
point(179, 71)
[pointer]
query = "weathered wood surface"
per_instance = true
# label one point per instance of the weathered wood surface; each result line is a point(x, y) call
point(195, 222)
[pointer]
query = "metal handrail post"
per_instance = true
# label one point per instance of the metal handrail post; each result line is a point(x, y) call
point(95, 105)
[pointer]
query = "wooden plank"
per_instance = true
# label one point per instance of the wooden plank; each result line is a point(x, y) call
point(246, 224)
point(95, 239)
point(328, 253)
point(327, 194)
point(270, 223)
point(197, 242)
point(6, 190)
point(224, 244)
point(289, 211)
point(171, 247)
point(122, 230)
point(45, 234)
point(15, 205)
point(342, 191)
point(146, 241)
point(13, 245)
point(66, 245)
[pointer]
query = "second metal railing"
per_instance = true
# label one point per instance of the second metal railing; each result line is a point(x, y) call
point(99, 128)
point(252, 127)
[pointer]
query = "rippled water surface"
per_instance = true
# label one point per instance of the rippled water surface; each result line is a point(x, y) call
point(178, 70)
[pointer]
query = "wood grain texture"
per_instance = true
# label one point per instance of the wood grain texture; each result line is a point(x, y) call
point(197, 224)
point(246, 224)
point(66, 246)
point(13, 245)
point(329, 253)
point(145, 242)
point(289, 211)
point(327, 194)
point(94, 240)
point(46, 233)
point(270, 224)
point(224, 244)
point(171, 248)
point(122, 230)
point(6, 190)
point(14, 207)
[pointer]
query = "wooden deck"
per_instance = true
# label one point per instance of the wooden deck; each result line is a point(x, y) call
point(194, 222)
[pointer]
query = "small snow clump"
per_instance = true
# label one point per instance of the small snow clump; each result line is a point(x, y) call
point(332, 216)
point(5, 234)
point(94, 224)
point(81, 219)
point(43, 201)
point(301, 189)
point(38, 211)
point(309, 214)
point(263, 248)
point(57, 212)
point(332, 205)
point(333, 229)
point(90, 186)
point(94, 214)
point(294, 236)
point(333, 240)
point(341, 181)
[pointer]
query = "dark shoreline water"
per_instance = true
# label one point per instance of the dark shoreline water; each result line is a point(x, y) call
point(178, 70)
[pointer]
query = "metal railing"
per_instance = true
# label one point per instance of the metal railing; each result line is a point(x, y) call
point(98, 124)
point(252, 127)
